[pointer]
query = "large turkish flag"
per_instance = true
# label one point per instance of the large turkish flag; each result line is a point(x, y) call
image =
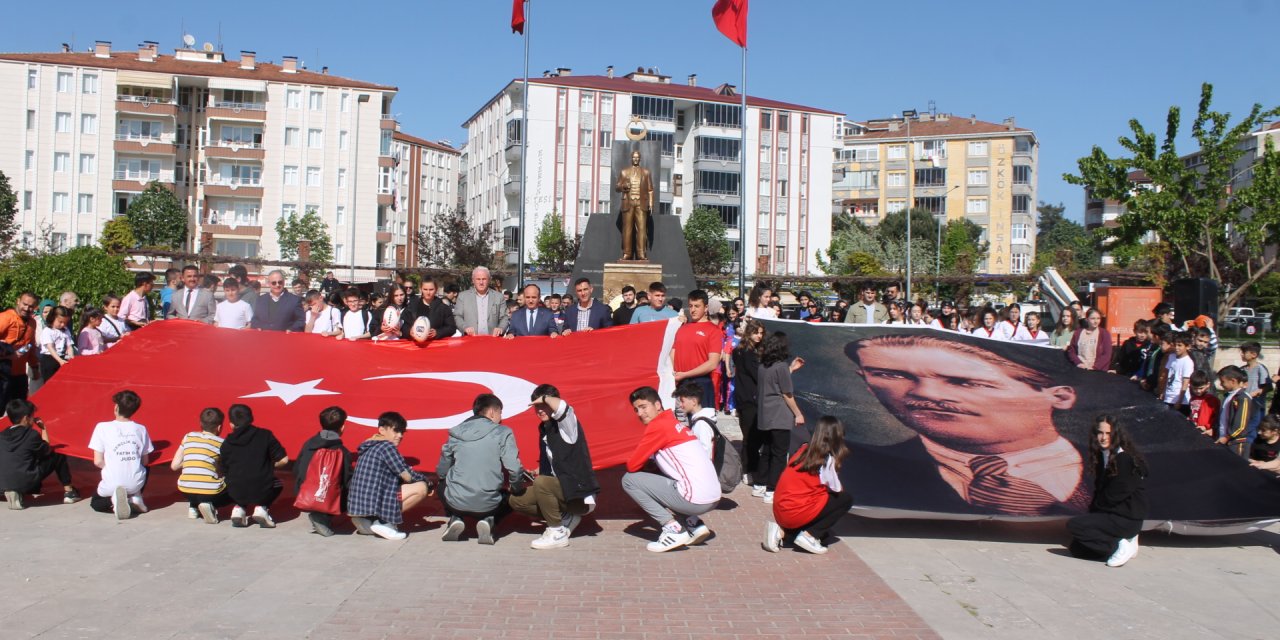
point(180, 367)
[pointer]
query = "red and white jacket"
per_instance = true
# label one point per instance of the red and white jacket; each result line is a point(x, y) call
point(680, 457)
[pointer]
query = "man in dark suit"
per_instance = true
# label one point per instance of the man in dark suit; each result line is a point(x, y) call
point(588, 313)
point(279, 310)
point(192, 301)
point(427, 304)
point(532, 319)
point(987, 442)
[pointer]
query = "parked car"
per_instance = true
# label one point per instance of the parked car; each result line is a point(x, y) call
point(1240, 317)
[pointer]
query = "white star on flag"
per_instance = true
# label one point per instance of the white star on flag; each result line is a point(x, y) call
point(291, 392)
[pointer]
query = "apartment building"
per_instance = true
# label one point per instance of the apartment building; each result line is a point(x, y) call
point(240, 142)
point(955, 168)
point(781, 212)
point(426, 184)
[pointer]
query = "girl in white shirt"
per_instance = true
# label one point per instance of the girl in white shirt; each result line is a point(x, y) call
point(758, 303)
point(113, 327)
point(55, 342)
point(989, 328)
point(1030, 330)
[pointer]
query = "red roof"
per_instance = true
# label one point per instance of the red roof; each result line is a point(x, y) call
point(951, 126)
point(128, 60)
point(438, 146)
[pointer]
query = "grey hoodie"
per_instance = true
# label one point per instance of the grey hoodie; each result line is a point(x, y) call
point(472, 462)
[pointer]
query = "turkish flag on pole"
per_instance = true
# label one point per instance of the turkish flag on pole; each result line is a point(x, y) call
point(731, 20)
point(517, 16)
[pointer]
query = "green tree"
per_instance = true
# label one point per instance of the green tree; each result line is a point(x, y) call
point(158, 218)
point(452, 242)
point(556, 249)
point(89, 271)
point(962, 247)
point(706, 240)
point(1212, 228)
point(292, 229)
point(117, 236)
point(1062, 243)
point(8, 215)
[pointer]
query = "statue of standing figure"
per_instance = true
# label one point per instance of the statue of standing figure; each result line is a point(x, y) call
point(636, 185)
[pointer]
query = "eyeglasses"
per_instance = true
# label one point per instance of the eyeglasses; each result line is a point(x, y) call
point(275, 282)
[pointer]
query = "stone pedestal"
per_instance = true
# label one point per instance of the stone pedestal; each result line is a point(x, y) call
point(629, 272)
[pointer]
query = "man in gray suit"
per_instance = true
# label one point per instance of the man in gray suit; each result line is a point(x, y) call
point(193, 302)
point(867, 310)
point(481, 311)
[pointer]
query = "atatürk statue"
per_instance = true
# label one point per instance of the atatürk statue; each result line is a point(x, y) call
point(636, 186)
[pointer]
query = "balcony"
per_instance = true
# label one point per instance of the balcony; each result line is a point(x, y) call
point(234, 187)
point(387, 122)
point(513, 151)
point(136, 181)
point(243, 111)
point(243, 223)
point(235, 150)
point(146, 106)
point(511, 187)
point(386, 199)
point(162, 145)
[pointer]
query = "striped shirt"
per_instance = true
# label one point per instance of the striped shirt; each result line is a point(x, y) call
point(200, 451)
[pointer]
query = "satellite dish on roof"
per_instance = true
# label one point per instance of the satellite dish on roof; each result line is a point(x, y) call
point(208, 46)
point(189, 40)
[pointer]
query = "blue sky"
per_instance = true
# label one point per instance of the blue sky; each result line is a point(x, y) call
point(1074, 72)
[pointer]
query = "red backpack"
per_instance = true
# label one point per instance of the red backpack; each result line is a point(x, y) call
point(321, 490)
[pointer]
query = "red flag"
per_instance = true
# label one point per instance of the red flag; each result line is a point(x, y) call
point(731, 20)
point(287, 379)
point(517, 16)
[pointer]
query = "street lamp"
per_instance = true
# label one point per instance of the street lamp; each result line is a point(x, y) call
point(355, 183)
point(907, 115)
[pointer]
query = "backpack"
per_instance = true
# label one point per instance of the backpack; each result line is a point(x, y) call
point(725, 457)
point(321, 490)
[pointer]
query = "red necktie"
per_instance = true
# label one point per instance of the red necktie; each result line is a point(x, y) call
point(993, 488)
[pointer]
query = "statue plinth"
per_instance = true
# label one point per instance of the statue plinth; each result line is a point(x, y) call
point(637, 273)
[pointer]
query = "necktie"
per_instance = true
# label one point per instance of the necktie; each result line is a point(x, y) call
point(993, 488)
point(529, 321)
point(187, 306)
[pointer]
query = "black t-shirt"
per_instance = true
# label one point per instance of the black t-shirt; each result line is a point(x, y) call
point(1264, 451)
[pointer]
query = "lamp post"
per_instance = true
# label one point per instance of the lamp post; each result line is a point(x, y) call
point(907, 115)
point(355, 184)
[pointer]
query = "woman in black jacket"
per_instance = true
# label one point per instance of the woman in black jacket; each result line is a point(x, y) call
point(746, 371)
point(1110, 529)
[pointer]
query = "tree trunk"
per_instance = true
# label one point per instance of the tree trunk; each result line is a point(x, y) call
point(1238, 292)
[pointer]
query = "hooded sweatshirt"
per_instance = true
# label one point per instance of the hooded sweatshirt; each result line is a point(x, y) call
point(472, 464)
point(21, 449)
point(249, 455)
point(323, 440)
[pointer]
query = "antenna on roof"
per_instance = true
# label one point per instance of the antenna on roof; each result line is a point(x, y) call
point(188, 41)
point(208, 47)
point(219, 36)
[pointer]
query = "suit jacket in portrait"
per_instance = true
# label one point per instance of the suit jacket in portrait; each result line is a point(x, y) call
point(598, 317)
point(857, 314)
point(203, 307)
point(544, 323)
point(465, 313)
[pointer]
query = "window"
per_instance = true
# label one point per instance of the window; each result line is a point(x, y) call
point(234, 135)
point(28, 200)
point(780, 255)
point(1021, 174)
point(1022, 146)
point(342, 140)
point(766, 120)
point(290, 175)
point(587, 102)
point(84, 203)
point(784, 122)
point(782, 189)
point(31, 119)
point(717, 148)
point(288, 210)
point(861, 154)
point(316, 101)
point(33, 78)
point(896, 179)
point(236, 247)
point(1019, 262)
point(929, 149)
point(137, 169)
point(344, 102)
point(61, 162)
point(290, 136)
point(139, 129)
point(84, 239)
point(88, 163)
point(313, 176)
point(1018, 232)
point(931, 177)
point(586, 137)
point(934, 205)
point(88, 123)
point(897, 152)
point(606, 139)
point(976, 205)
point(978, 149)
point(719, 115)
point(784, 156)
point(718, 183)
point(59, 241)
point(293, 98)
point(62, 122)
point(342, 178)
point(89, 83)
point(339, 252)
point(64, 82)
point(342, 214)
point(894, 206)
point(978, 177)
point(29, 161)
point(650, 108)
point(1022, 204)
point(861, 180)
point(61, 202)
point(315, 138)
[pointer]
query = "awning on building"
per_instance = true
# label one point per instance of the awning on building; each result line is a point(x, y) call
point(144, 79)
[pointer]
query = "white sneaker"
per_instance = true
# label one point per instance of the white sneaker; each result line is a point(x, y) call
point(552, 538)
point(388, 531)
point(137, 504)
point(768, 497)
point(746, 479)
point(1134, 541)
point(238, 517)
point(758, 491)
point(193, 513)
point(453, 530)
point(772, 537)
point(207, 512)
point(570, 522)
point(669, 540)
point(120, 504)
point(1125, 551)
point(699, 531)
point(263, 518)
point(809, 543)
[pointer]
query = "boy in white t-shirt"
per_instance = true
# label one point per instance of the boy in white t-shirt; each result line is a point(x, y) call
point(356, 319)
point(121, 448)
point(322, 318)
point(1177, 374)
point(233, 313)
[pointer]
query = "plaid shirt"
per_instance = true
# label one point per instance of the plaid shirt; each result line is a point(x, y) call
point(375, 486)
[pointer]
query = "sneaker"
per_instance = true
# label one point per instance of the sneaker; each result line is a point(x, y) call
point(697, 528)
point(238, 517)
point(120, 504)
point(746, 479)
point(552, 538)
point(207, 512)
point(137, 504)
point(768, 497)
point(758, 491)
point(364, 526)
point(263, 518)
point(319, 526)
point(453, 531)
point(809, 543)
point(193, 513)
point(669, 540)
point(1125, 551)
point(387, 531)
point(772, 537)
point(70, 497)
point(570, 522)
point(1134, 541)
point(15, 500)
point(484, 531)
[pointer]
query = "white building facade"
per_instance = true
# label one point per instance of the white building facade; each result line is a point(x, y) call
point(782, 213)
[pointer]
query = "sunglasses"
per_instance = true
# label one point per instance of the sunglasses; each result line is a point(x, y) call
point(275, 282)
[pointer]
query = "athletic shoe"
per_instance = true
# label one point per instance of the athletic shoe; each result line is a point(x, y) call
point(319, 526)
point(70, 497)
point(669, 540)
point(697, 528)
point(364, 526)
point(137, 504)
point(207, 512)
point(552, 538)
point(387, 531)
point(484, 530)
point(120, 504)
point(772, 537)
point(453, 531)
point(758, 491)
point(1125, 551)
point(15, 500)
point(193, 513)
point(1134, 541)
point(768, 497)
point(238, 517)
point(746, 479)
point(263, 518)
point(809, 543)
point(570, 522)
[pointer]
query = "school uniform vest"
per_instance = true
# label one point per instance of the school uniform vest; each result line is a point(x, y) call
point(569, 463)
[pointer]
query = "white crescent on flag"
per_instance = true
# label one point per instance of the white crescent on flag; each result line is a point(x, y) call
point(512, 391)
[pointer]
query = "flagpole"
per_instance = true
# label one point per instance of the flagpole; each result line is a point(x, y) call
point(524, 148)
point(742, 188)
